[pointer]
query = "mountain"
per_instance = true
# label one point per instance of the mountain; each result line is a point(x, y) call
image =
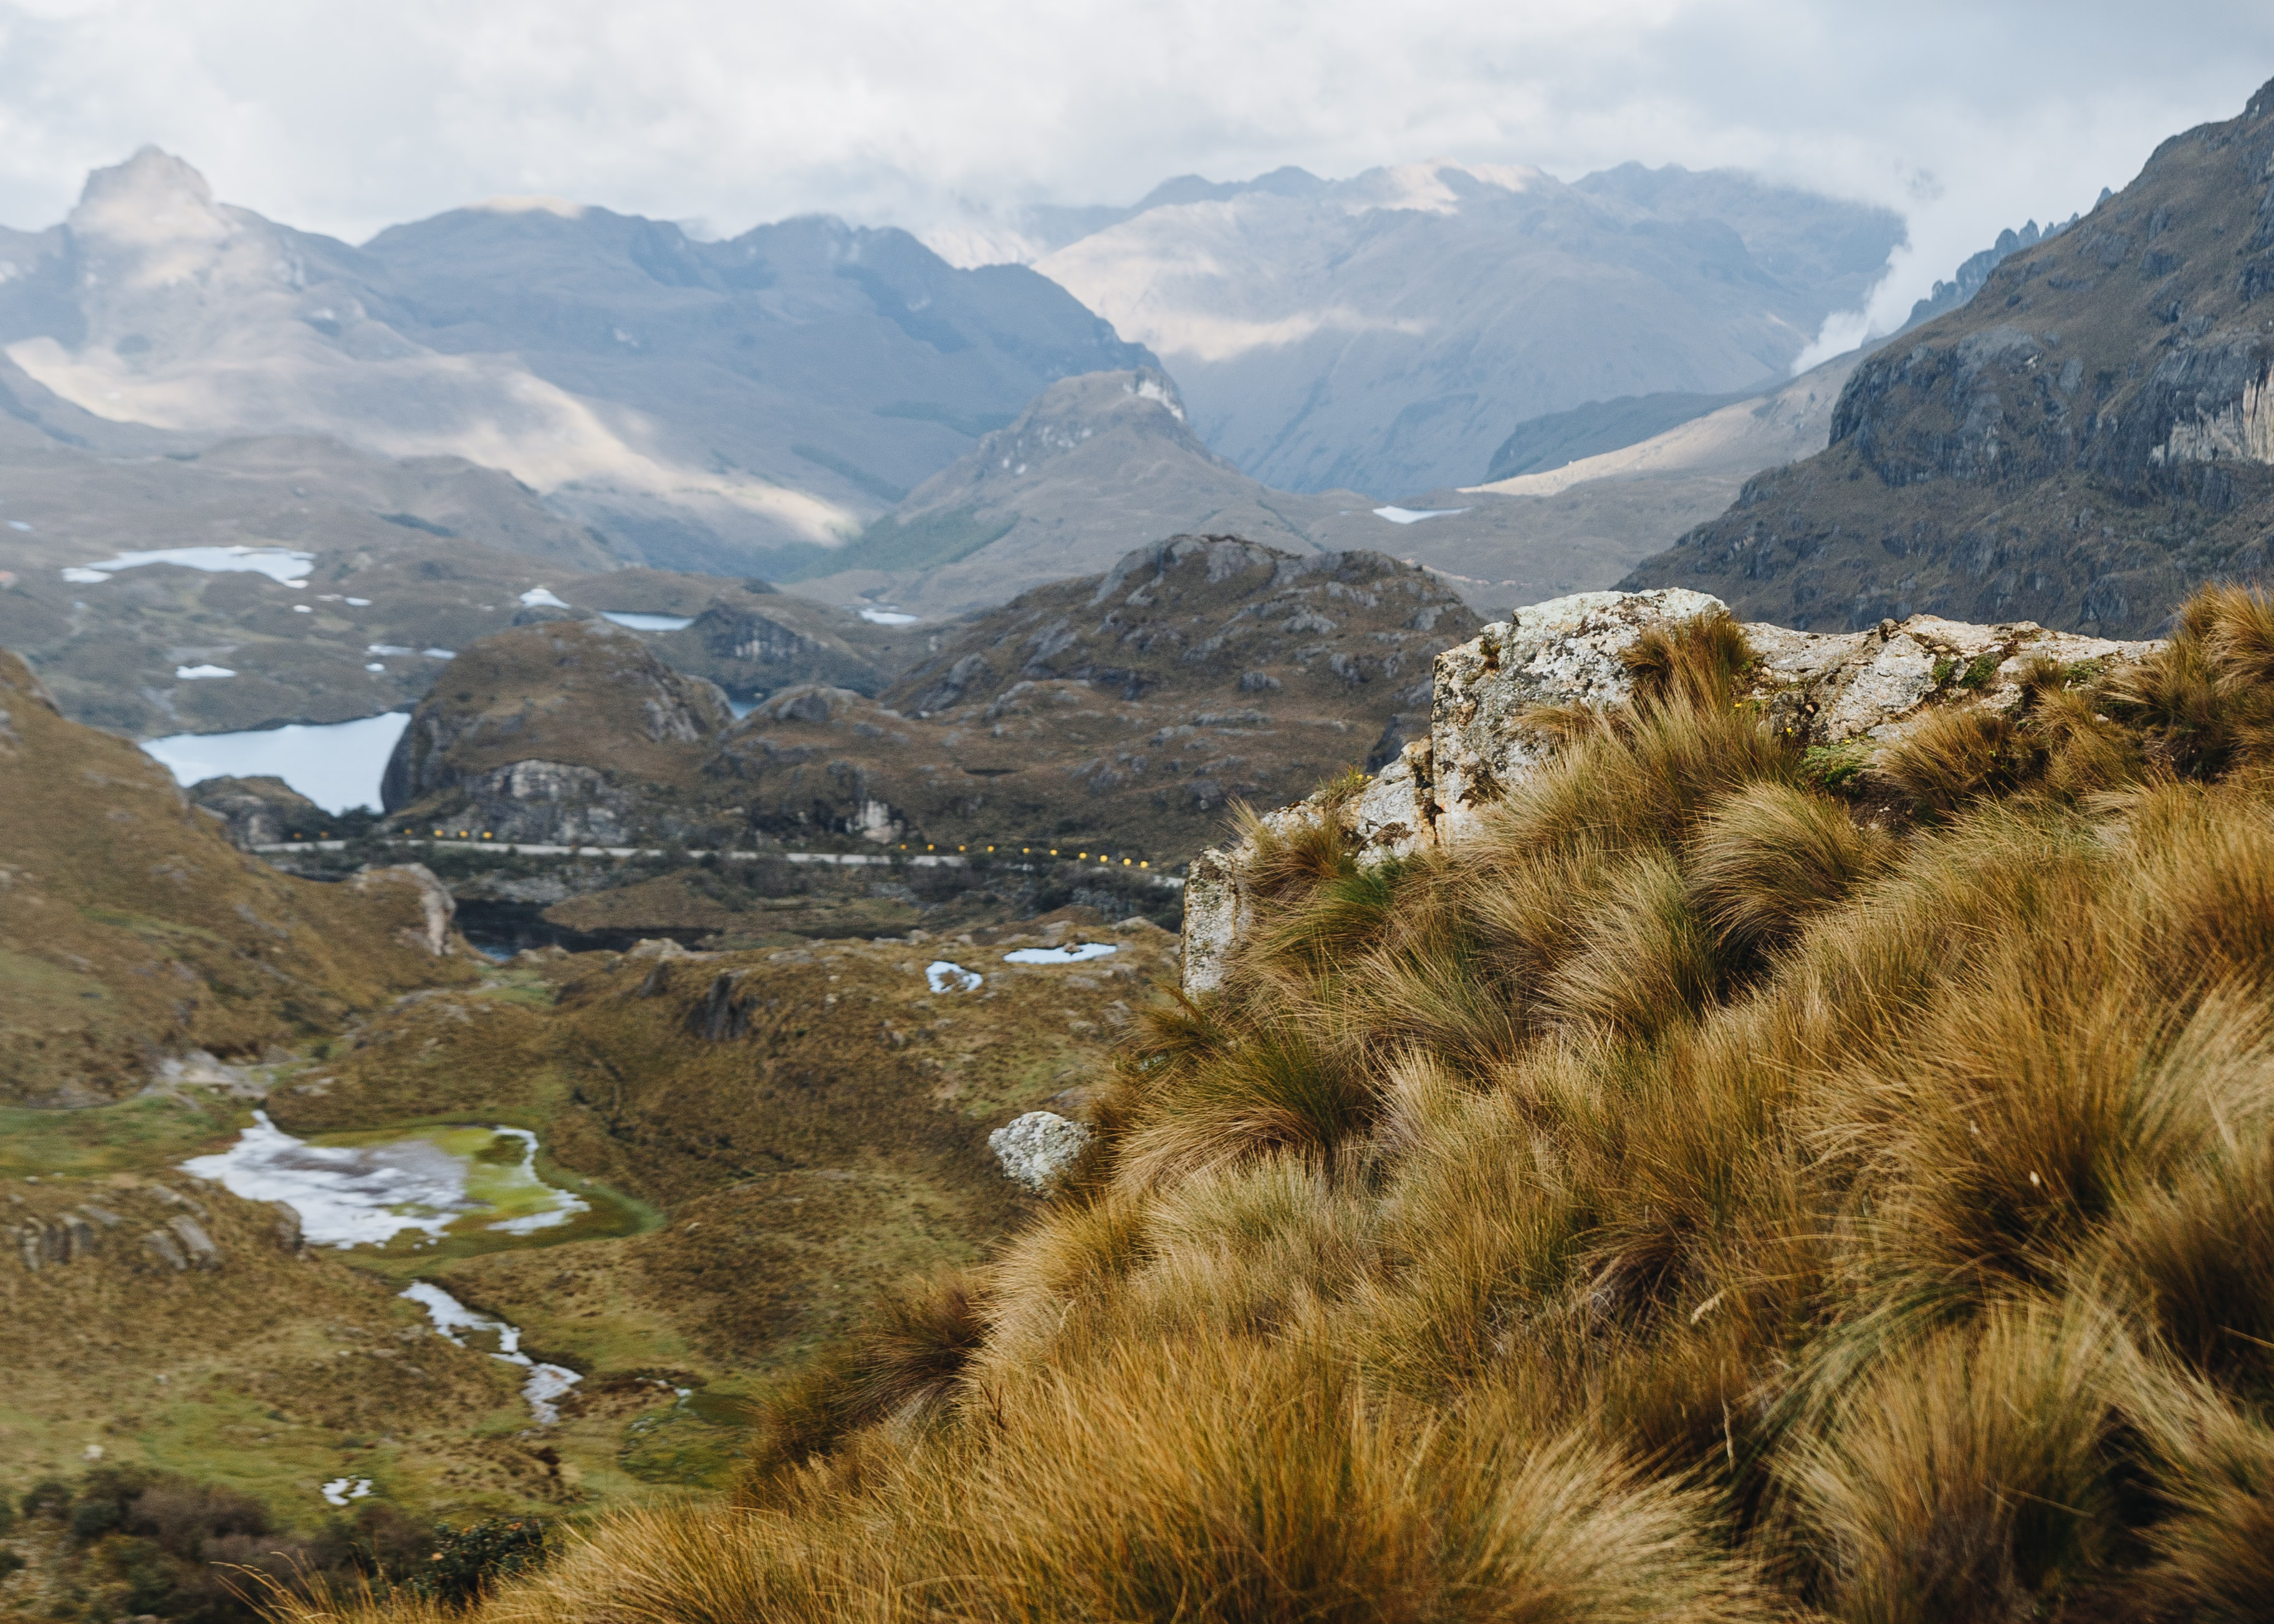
point(396, 564)
point(2080, 444)
point(731, 407)
point(135, 933)
point(1385, 333)
point(1104, 463)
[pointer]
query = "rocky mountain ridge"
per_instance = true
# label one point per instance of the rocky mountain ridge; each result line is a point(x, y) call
point(732, 407)
point(1384, 333)
point(1122, 710)
point(2081, 444)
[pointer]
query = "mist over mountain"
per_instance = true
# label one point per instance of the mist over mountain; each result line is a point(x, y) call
point(2080, 445)
point(728, 406)
point(1387, 332)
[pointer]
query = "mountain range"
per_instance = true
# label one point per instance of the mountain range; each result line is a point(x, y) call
point(758, 405)
point(712, 405)
point(1387, 332)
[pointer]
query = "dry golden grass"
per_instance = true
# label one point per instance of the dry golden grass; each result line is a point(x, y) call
point(1679, 1204)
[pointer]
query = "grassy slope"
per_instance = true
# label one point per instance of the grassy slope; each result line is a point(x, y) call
point(749, 1189)
point(137, 931)
point(1684, 1201)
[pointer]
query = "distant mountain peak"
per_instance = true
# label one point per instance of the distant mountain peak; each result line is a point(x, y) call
point(152, 197)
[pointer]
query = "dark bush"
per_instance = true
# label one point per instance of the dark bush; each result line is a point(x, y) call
point(466, 1561)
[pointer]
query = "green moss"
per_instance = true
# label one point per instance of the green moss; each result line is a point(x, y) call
point(1977, 675)
point(1830, 766)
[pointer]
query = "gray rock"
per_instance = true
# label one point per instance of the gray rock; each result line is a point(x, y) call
point(166, 1250)
point(1035, 1149)
point(196, 1244)
point(1866, 687)
point(438, 910)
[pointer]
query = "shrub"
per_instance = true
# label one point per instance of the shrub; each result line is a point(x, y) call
point(468, 1562)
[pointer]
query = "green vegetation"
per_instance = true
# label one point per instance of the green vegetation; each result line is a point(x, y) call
point(1680, 1202)
point(924, 542)
point(852, 473)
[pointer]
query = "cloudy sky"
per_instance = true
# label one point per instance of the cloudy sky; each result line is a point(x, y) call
point(343, 115)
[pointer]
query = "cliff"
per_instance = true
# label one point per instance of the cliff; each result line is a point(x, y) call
point(2081, 444)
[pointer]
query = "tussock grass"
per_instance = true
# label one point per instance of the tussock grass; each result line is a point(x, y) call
point(1682, 1202)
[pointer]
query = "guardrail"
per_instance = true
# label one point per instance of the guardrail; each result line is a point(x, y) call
point(1135, 868)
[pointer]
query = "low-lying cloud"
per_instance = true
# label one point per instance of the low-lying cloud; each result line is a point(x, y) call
point(344, 117)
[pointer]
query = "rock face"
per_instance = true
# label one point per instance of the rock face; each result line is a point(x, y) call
point(1865, 689)
point(258, 811)
point(2085, 441)
point(570, 731)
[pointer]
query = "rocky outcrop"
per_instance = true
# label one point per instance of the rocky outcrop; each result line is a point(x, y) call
point(570, 731)
point(438, 911)
point(1486, 735)
point(1123, 710)
point(2081, 444)
point(258, 811)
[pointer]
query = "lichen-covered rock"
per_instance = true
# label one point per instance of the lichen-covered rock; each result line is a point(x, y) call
point(1868, 688)
point(1035, 1149)
point(1564, 651)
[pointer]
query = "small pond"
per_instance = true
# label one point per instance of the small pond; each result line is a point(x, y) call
point(465, 1188)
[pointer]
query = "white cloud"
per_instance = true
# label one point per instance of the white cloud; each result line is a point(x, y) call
point(347, 118)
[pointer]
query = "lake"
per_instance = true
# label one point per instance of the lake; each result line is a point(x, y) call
point(337, 765)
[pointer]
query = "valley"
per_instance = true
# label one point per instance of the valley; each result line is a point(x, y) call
point(760, 926)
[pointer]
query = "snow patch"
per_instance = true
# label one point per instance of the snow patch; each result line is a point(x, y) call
point(1414, 515)
point(1072, 952)
point(887, 616)
point(646, 623)
point(541, 597)
point(945, 975)
point(193, 673)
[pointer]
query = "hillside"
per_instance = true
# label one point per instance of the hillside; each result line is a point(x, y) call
point(1125, 710)
point(704, 1162)
point(2081, 444)
point(1707, 1175)
point(136, 934)
point(299, 581)
point(1385, 333)
point(731, 408)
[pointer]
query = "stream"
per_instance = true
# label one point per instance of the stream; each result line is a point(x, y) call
point(545, 1383)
